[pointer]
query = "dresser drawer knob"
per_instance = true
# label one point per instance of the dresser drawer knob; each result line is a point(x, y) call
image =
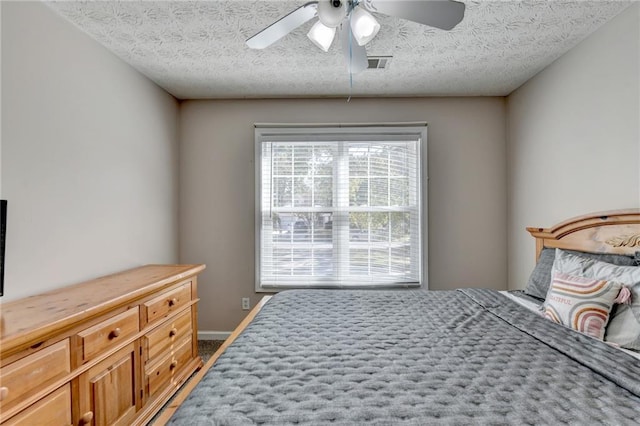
point(173, 302)
point(114, 333)
point(86, 418)
point(173, 332)
point(4, 392)
point(173, 365)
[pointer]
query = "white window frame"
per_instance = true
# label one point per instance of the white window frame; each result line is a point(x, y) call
point(349, 132)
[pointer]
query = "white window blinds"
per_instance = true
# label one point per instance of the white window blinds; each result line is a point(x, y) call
point(339, 207)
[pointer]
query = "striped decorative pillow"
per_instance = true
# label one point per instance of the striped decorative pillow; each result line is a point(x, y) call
point(582, 304)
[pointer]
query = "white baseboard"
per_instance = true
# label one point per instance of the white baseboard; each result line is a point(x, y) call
point(213, 335)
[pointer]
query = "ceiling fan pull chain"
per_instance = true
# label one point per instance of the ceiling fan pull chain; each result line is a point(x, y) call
point(350, 63)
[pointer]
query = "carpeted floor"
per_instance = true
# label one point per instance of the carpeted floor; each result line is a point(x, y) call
point(206, 348)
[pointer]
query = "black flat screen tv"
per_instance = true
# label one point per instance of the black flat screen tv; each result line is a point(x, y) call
point(3, 233)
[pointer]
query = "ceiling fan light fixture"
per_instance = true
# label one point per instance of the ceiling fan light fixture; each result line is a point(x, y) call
point(321, 35)
point(332, 12)
point(364, 26)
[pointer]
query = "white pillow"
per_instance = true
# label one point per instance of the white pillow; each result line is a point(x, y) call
point(624, 325)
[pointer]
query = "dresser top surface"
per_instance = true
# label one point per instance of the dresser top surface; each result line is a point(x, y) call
point(34, 316)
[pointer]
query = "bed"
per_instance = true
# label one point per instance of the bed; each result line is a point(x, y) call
point(469, 356)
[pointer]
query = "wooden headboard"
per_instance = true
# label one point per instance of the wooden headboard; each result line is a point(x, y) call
point(616, 231)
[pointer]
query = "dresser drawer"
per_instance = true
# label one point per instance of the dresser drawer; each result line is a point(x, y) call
point(168, 334)
point(28, 375)
point(170, 301)
point(158, 375)
point(53, 409)
point(109, 333)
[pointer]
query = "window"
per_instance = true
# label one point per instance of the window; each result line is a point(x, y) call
point(339, 206)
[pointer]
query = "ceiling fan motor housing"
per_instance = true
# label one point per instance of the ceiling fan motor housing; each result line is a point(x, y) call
point(332, 12)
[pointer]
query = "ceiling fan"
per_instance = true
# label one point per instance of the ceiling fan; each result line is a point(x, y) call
point(357, 25)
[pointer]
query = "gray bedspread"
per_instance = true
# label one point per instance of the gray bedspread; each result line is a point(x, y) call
point(412, 357)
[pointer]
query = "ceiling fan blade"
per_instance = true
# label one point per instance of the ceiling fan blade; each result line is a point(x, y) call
point(283, 26)
point(443, 14)
point(354, 54)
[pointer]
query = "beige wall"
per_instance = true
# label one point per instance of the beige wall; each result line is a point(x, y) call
point(467, 188)
point(89, 157)
point(574, 136)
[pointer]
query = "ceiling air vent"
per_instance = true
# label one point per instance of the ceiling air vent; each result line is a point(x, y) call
point(378, 62)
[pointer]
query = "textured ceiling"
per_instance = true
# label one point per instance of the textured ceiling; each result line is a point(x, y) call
point(196, 50)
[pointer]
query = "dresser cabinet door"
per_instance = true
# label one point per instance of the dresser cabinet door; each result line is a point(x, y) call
point(109, 392)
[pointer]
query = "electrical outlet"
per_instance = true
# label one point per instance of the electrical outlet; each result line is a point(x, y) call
point(246, 304)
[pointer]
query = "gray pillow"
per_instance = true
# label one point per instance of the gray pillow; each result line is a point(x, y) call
point(540, 278)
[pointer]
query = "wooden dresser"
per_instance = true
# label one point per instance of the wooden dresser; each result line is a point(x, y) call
point(110, 351)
